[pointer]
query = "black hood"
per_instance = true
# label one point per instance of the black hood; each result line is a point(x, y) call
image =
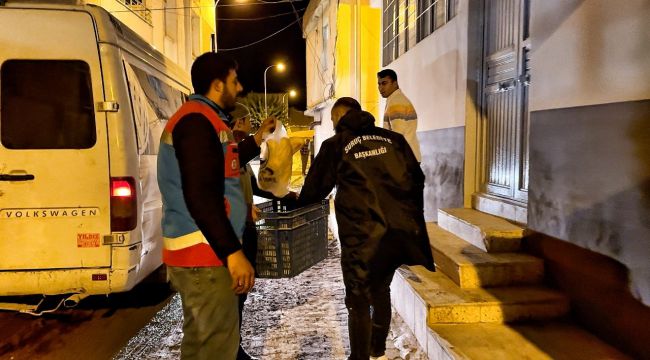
point(355, 121)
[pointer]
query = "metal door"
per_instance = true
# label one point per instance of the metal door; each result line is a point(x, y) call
point(506, 76)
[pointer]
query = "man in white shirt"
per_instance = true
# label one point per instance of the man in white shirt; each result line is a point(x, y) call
point(399, 115)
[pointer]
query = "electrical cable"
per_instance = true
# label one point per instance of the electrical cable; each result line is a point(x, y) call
point(204, 6)
point(259, 18)
point(260, 40)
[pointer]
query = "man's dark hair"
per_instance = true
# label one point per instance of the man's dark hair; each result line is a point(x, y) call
point(387, 72)
point(209, 67)
point(348, 102)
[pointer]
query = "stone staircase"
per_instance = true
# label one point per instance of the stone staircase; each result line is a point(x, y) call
point(486, 300)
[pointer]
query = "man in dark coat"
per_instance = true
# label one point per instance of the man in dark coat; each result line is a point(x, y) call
point(379, 210)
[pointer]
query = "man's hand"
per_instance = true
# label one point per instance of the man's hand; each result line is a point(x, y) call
point(256, 213)
point(241, 271)
point(267, 126)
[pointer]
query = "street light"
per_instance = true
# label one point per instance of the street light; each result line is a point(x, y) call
point(292, 93)
point(280, 69)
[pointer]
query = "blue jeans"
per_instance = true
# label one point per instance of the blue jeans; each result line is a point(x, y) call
point(210, 312)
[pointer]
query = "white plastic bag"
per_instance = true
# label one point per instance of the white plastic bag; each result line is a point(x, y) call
point(275, 162)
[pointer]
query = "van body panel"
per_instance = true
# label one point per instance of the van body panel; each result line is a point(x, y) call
point(54, 282)
point(43, 250)
point(58, 219)
point(127, 160)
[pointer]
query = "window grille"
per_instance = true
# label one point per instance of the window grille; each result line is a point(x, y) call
point(139, 8)
point(407, 22)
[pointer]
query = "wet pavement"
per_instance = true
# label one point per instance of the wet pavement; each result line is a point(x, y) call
point(298, 318)
point(96, 329)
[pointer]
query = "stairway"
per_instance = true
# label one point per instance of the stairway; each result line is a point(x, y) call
point(486, 299)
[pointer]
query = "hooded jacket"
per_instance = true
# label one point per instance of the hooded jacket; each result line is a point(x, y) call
point(379, 197)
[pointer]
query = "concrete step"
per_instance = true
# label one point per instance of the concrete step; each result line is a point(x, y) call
point(471, 267)
point(534, 340)
point(487, 232)
point(412, 295)
point(434, 299)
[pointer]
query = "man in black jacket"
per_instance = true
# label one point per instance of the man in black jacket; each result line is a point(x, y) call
point(379, 211)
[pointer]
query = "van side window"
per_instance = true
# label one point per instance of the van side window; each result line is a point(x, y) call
point(154, 102)
point(46, 104)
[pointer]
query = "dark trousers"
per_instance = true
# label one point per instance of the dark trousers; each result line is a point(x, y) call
point(249, 245)
point(369, 312)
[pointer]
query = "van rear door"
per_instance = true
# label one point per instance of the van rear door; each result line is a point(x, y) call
point(54, 166)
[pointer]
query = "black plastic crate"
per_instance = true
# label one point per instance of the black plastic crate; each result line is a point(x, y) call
point(290, 240)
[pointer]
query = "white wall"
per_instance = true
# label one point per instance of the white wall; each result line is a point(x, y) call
point(590, 154)
point(587, 52)
point(319, 81)
point(433, 75)
point(178, 51)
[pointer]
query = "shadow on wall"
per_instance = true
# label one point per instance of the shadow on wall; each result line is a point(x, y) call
point(590, 187)
point(590, 182)
point(442, 163)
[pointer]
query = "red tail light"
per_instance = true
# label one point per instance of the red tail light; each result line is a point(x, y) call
point(121, 188)
point(124, 206)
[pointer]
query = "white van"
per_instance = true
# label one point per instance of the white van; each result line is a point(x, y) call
point(83, 101)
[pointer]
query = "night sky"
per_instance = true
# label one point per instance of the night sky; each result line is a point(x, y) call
point(287, 46)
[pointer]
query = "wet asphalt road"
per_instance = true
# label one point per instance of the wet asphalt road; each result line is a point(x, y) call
point(96, 329)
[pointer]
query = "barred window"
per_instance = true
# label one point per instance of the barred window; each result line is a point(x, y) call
point(139, 7)
point(407, 22)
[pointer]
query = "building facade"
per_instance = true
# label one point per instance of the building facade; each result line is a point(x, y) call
point(180, 29)
point(342, 58)
point(547, 104)
point(537, 112)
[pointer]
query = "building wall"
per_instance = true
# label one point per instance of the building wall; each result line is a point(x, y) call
point(590, 160)
point(352, 57)
point(590, 155)
point(152, 27)
point(128, 17)
point(319, 76)
point(369, 51)
point(437, 76)
point(590, 52)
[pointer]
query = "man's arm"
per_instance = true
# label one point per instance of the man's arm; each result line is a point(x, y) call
point(404, 127)
point(322, 175)
point(248, 150)
point(201, 161)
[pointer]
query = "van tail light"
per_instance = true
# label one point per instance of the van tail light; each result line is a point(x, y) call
point(124, 208)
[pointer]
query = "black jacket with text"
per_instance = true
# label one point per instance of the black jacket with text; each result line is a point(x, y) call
point(379, 197)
